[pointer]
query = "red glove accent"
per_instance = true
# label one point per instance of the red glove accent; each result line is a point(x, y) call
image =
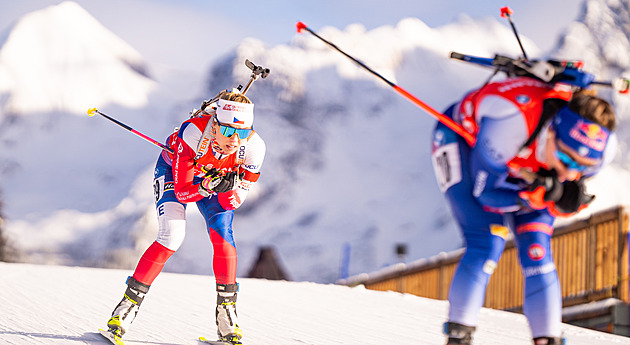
point(553, 210)
point(535, 199)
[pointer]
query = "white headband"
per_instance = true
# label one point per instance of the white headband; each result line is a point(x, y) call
point(231, 113)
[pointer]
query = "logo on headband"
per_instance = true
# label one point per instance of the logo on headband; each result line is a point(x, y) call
point(589, 134)
point(233, 107)
point(238, 121)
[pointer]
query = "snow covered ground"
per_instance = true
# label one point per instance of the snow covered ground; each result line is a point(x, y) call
point(67, 305)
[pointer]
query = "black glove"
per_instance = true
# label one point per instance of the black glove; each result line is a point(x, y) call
point(228, 181)
point(545, 189)
point(574, 198)
point(561, 199)
point(549, 180)
point(216, 182)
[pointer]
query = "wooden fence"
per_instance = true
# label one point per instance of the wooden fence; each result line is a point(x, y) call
point(591, 258)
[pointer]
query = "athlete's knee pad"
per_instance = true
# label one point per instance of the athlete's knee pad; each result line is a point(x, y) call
point(172, 225)
point(534, 250)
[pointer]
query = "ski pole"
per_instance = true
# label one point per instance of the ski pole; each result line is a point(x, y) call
point(621, 85)
point(92, 111)
point(447, 121)
point(507, 12)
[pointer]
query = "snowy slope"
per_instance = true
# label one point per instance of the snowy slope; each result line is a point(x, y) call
point(347, 162)
point(66, 305)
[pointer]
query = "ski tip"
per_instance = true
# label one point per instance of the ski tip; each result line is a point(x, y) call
point(300, 26)
point(506, 12)
point(92, 111)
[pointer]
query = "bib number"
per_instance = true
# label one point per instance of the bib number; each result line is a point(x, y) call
point(158, 188)
point(447, 166)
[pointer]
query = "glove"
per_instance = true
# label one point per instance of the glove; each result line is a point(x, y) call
point(545, 189)
point(216, 182)
point(573, 199)
point(209, 182)
point(561, 199)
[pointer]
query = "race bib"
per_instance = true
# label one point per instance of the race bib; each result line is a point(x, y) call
point(447, 166)
point(158, 188)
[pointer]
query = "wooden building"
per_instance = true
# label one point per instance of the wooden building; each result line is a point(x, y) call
point(591, 257)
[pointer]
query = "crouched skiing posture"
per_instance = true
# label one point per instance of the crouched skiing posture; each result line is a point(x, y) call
point(535, 145)
point(217, 158)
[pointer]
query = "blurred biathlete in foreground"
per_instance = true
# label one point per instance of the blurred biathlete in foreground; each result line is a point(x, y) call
point(514, 154)
point(217, 158)
point(535, 145)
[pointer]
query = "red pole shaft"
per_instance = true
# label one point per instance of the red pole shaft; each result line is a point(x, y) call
point(447, 121)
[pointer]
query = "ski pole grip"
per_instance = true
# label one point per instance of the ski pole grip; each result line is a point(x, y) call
point(622, 85)
point(506, 12)
point(300, 26)
point(92, 111)
point(458, 56)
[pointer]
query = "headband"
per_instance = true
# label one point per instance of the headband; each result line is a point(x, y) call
point(585, 137)
point(231, 113)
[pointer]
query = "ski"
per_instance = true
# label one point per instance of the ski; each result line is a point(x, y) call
point(214, 342)
point(113, 338)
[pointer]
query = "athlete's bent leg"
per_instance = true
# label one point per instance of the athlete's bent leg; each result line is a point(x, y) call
point(171, 233)
point(543, 299)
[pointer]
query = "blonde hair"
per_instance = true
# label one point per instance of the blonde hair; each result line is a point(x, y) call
point(235, 97)
point(593, 108)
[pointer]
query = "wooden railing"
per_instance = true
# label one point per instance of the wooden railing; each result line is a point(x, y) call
point(591, 257)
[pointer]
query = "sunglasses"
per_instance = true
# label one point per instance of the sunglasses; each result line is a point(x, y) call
point(228, 131)
point(569, 162)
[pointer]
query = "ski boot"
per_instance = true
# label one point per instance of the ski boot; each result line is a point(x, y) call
point(227, 321)
point(458, 334)
point(549, 341)
point(127, 309)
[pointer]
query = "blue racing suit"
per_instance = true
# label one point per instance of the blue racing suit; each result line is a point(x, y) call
point(481, 184)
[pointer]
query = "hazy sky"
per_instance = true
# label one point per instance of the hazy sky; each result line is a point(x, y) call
point(182, 33)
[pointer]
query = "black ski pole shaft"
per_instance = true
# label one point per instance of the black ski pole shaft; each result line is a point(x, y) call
point(506, 12)
point(447, 121)
point(301, 26)
point(92, 111)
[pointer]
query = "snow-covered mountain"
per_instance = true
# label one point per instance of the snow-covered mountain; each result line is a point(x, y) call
point(58, 166)
point(61, 59)
point(600, 37)
point(77, 301)
point(347, 161)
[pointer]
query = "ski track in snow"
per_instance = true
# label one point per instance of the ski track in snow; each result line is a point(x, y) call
point(67, 305)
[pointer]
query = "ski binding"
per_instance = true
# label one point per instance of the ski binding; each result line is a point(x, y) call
point(214, 342)
point(113, 338)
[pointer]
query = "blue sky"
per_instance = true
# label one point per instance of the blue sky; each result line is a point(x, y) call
point(180, 32)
